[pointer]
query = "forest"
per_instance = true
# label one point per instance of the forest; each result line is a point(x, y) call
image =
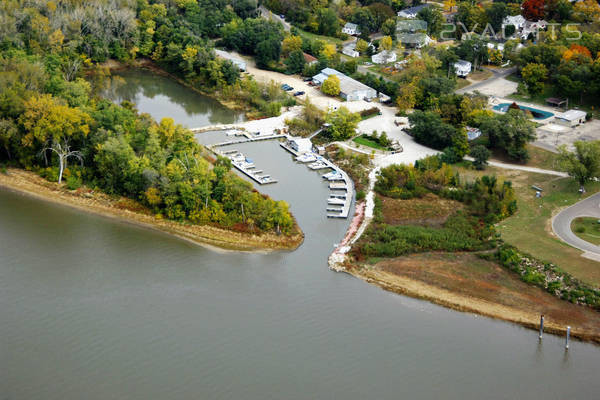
point(53, 122)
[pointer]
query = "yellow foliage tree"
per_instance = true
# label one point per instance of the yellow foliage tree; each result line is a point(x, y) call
point(331, 86)
point(449, 5)
point(329, 51)
point(386, 43)
point(588, 10)
point(291, 43)
point(361, 46)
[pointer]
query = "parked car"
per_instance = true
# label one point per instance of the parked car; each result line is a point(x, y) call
point(281, 16)
point(299, 93)
point(286, 87)
point(307, 79)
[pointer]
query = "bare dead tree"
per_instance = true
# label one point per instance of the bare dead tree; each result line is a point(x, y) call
point(63, 151)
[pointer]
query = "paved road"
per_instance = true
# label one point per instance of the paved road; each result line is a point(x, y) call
point(561, 224)
point(497, 75)
point(268, 14)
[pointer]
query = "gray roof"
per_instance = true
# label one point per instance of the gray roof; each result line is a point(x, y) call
point(463, 63)
point(350, 25)
point(413, 10)
point(347, 84)
point(571, 115)
point(411, 25)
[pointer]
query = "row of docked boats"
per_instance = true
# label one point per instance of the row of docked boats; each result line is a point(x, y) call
point(247, 166)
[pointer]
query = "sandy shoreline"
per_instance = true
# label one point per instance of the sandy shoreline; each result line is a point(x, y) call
point(30, 184)
point(459, 302)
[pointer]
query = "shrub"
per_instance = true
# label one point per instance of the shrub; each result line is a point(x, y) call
point(73, 182)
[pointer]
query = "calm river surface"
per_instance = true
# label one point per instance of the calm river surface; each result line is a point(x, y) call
point(92, 308)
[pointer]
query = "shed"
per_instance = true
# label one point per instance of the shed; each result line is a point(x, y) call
point(570, 118)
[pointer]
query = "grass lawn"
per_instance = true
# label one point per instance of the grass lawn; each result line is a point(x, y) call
point(461, 83)
point(530, 228)
point(362, 140)
point(587, 228)
point(314, 36)
point(480, 75)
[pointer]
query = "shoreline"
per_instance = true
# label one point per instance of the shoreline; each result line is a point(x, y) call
point(459, 302)
point(29, 184)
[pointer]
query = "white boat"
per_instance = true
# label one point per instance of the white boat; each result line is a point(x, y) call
point(334, 201)
point(318, 165)
point(306, 157)
point(239, 157)
point(247, 165)
point(333, 174)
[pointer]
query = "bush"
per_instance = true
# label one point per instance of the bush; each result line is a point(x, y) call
point(73, 182)
point(360, 195)
point(580, 229)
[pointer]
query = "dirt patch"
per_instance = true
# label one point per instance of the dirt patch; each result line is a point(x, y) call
point(430, 210)
point(465, 282)
point(130, 211)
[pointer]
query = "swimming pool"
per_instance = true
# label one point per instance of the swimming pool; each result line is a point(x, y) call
point(537, 114)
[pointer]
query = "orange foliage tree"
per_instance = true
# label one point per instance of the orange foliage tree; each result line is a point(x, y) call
point(534, 10)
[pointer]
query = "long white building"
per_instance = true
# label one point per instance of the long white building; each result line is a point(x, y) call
point(350, 89)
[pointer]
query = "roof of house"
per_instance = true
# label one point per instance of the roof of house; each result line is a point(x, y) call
point(347, 84)
point(513, 20)
point(413, 10)
point(308, 58)
point(350, 25)
point(571, 115)
point(411, 25)
point(384, 55)
point(414, 38)
point(462, 63)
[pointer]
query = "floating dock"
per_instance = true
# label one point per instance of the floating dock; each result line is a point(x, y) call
point(339, 202)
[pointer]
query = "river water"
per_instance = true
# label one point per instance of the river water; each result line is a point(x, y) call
point(93, 308)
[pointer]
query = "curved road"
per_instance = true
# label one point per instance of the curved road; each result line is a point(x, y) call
point(561, 224)
point(497, 74)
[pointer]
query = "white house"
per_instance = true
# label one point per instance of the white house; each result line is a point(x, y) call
point(411, 12)
point(516, 20)
point(351, 29)
point(462, 68)
point(570, 118)
point(496, 46)
point(300, 145)
point(416, 40)
point(384, 57)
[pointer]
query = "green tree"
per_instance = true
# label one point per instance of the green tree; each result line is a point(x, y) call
point(343, 123)
point(331, 86)
point(480, 155)
point(534, 76)
point(583, 163)
point(295, 62)
point(389, 28)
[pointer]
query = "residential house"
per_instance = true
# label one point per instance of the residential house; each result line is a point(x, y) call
point(411, 12)
point(515, 20)
point(350, 50)
point(384, 57)
point(351, 29)
point(462, 68)
point(414, 40)
point(310, 60)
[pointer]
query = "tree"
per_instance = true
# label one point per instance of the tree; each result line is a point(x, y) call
point(481, 155)
point(533, 10)
point(329, 51)
point(428, 129)
point(587, 10)
point(389, 28)
point(361, 46)
point(328, 22)
point(295, 62)
point(291, 43)
point(509, 132)
point(583, 163)
point(267, 51)
point(534, 76)
point(331, 86)
point(8, 132)
point(343, 123)
point(496, 14)
point(386, 43)
point(64, 152)
point(434, 18)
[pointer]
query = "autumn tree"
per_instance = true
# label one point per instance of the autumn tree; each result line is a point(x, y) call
point(291, 43)
point(331, 86)
point(386, 43)
point(361, 46)
point(587, 10)
point(534, 10)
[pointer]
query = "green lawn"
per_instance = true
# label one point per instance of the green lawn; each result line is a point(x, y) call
point(365, 141)
point(314, 36)
point(587, 228)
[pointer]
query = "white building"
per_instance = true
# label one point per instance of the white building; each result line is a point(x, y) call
point(411, 12)
point(462, 68)
point(384, 57)
point(241, 64)
point(300, 145)
point(496, 46)
point(516, 20)
point(350, 89)
point(351, 29)
point(570, 118)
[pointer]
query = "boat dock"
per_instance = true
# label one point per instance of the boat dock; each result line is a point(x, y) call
point(245, 166)
point(340, 199)
point(247, 138)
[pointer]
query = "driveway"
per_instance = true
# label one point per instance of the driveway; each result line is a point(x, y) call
point(266, 14)
point(494, 86)
point(561, 224)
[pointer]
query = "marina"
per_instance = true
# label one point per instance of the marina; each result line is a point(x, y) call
point(340, 201)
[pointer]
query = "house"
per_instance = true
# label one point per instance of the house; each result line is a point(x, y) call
point(416, 40)
point(411, 26)
point(350, 89)
point(384, 57)
point(570, 118)
point(462, 68)
point(350, 50)
point(241, 64)
point(300, 145)
point(351, 29)
point(496, 46)
point(515, 20)
point(411, 12)
point(310, 60)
